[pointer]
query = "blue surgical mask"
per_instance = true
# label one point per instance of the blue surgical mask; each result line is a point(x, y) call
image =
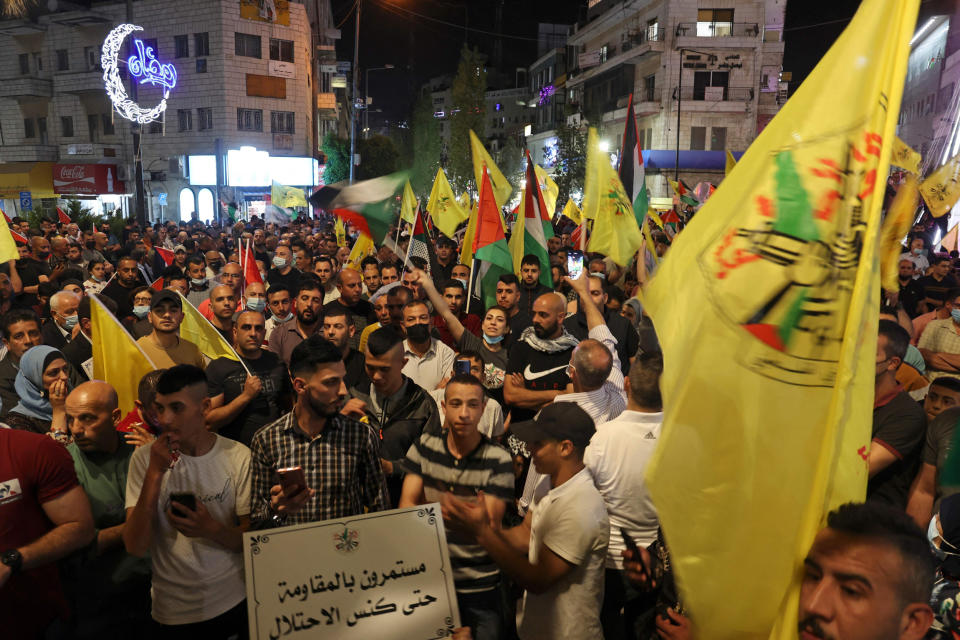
point(955, 314)
point(95, 278)
point(286, 317)
point(463, 282)
point(597, 274)
point(256, 304)
point(279, 263)
point(490, 340)
point(141, 310)
point(198, 282)
point(919, 252)
point(69, 322)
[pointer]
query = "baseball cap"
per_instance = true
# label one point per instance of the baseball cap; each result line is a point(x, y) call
point(557, 421)
point(179, 247)
point(165, 295)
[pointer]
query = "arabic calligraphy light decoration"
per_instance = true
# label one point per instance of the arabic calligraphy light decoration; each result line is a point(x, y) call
point(143, 67)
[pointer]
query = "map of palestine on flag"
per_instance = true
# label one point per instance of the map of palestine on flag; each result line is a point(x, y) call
point(533, 227)
point(771, 430)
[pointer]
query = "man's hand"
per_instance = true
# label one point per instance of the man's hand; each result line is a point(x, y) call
point(289, 500)
point(579, 285)
point(251, 387)
point(161, 453)
point(676, 627)
point(465, 517)
point(354, 408)
point(138, 436)
point(422, 278)
point(637, 569)
point(193, 524)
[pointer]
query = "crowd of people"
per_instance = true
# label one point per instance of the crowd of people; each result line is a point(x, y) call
point(530, 421)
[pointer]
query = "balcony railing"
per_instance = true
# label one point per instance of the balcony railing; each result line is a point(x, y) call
point(646, 36)
point(652, 94)
point(716, 94)
point(718, 29)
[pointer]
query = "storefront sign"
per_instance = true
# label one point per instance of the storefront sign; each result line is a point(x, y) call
point(142, 66)
point(86, 179)
point(79, 149)
point(26, 201)
point(280, 69)
point(338, 81)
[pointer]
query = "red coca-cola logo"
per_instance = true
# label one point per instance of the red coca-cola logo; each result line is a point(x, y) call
point(72, 172)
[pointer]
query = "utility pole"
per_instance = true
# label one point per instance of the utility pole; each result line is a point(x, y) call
point(353, 91)
point(140, 209)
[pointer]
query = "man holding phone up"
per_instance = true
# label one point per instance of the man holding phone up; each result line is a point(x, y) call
point(326, 464)
point(188, 503)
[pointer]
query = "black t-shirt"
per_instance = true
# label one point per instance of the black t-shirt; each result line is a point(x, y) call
point(30, 271)
point(227, 376)
point(121, 295)
point(937, 290)
point(910, 295)
point(356, 371)
point(360, 312)
point(541, 371)
point(290, 281)
point(899, 426)
point(627, 338)
point(517, 324)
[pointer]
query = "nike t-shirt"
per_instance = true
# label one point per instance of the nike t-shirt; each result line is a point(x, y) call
point(541, 371)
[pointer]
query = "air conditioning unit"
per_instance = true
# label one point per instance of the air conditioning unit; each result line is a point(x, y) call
point(125, 172)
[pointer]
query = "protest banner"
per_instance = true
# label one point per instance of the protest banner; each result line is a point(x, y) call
point(380, 575)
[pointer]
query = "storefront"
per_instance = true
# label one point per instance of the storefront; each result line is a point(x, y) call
point(99, 185)
point(23, 183)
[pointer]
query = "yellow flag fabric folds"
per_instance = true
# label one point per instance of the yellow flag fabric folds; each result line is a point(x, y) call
point(466, 253)
point(941, 189)
point(615, 231)
point(772, 290)
point(282, 196)
point(361, 249)
point(464, 201)
point(896, 225)
point(572, 211)
point(731, 163)
point(951, 241)
point(548, 188)
point(117, 358)
point(8, 248)
point(408, 204)
point(904, 156)
point(340, 230)
point(501, 187)
point(200, 332)
point(443, 207)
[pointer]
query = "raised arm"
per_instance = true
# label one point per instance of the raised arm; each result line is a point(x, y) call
point(440, 305)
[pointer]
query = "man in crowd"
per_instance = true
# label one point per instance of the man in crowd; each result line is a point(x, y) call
point(917, 255)
point(389, 273)
point(339, 329)
point(21, 330)
point(199, 283)
point(279, 302)
point(455, 295)
point(339, 456)
point(350, 286)
point(128, 278)
point(164, 346)
point(942, 406)
point(61, 328)
point(446, 259)
point(910, 293)
point(80, 351)
point(242, 402)
point(282, 272)
point(530, 287)
point(194, 543)
point(938, 284)
point(508, 297)
point(428, 359)
point(370, 268)
point(940, 343)
point(222, 305)
point(308, 307)
point(34, 269)
point(325, 271)
point(231, 276)
point(627, 337)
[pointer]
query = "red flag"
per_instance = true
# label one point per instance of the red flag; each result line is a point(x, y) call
point(17, 237)
point(64, 218)
point(6, 217)
point(157, 285)
point(166, 254)
point(577, 237)
point(250, 272)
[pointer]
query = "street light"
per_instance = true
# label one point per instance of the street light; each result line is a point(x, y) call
point(353, 92)
point(366, 95)
point(711, 58)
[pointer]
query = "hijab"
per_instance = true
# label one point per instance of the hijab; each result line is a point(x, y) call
point(29, 382)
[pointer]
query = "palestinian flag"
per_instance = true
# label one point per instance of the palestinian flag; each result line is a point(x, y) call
point(630, 167)
point(682, 194)
point(421, 245)
point(491, 256)
point(6, 217)
point(62, 217)
point(157, 285)
point(371, 205)
point(18, 237)
point(166, 254)
point(532, 227)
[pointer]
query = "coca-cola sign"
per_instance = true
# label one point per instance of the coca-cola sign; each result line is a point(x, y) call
point(87, 179)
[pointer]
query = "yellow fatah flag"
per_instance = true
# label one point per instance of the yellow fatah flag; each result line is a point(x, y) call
point(117, 358)
point(896, 225)
point(362, 248)
point(615, 231)
point(941, 189)
point(905, 157)
point(466, 251)
point(731, 163)
point(443, 207)
point(464, 201)
point(340, 230)
point(408, 204)
point(771, 429)
point(951, 241)
point(548, 188)
point(501, 187)
point(8, 248)
point(516, 243)
point(572, 211)
point(200, 332)
point(283, 196)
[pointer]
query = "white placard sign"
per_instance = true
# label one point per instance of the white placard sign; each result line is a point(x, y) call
point(380, 575)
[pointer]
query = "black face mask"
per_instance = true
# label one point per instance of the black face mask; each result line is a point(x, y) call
point(215, 266)
point(43, 255)
point(418, 333)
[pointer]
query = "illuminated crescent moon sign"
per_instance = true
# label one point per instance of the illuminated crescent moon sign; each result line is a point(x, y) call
point(143, 66)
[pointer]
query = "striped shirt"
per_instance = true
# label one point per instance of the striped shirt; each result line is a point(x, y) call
point(488, 468)
point(342, 464)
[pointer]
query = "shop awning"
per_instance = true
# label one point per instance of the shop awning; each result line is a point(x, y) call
point(689, 160)
point(35, 177)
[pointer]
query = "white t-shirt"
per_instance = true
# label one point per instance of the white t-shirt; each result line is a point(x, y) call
point(617, 458)
point(195, 579)
point(571, 520)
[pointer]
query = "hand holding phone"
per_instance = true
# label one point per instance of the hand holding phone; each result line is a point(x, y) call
point(574, 263)
point(638, 556)
point(184, 500)
point(292, 479)
point(461, 367)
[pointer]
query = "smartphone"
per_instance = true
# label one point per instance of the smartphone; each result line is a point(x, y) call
point(292, 476)
point(574, 263)
point(188, 500)
point(635, 550)
point(461, 367)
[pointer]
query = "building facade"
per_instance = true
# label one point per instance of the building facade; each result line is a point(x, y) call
point(244, 94)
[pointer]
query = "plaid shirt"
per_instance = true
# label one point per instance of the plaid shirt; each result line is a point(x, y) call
point(342, 464)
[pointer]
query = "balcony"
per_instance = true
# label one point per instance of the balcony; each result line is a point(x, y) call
point(632, 49)
point(79, 82)
point(646, 102)
point(28, 153)
point(717, 34)
point(643, 42)
point(724, 99)
point(26, 87)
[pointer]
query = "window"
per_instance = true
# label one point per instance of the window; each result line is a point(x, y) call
point(106, 119)
point(184, 119)
point(650, 137)
point(281, 122)
point(718, 138)
point(249, 120)
point(156, 127)
point(714, 22)
point(24, 64)
point(187, 204)
point(653, 29)
point(66, 126)
point(205, 205)
point(281, 50)
point(92, 56)
point(205, 118)
point(201, 65)
point(181, 47)
point(246, 45)
point(649, 86)
point(93, 127)
point(42, 130)
point(151, 43)
point(38, 61)
point(63, 60)
point(603, 54)
point(698, 138)
point(201, 44)
point(704, 79)
point(28, 130)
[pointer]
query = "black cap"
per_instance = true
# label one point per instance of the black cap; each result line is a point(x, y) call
point(557, 421)
point(165, 295)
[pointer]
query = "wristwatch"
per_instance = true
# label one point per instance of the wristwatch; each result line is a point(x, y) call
point(12, 559)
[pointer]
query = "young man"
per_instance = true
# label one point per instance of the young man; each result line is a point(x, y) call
point(278, 301)
point(222, 304)
point(308, 307)
point(21, 330)
point(350, 286)
point(455, 295)
point(194, 542)
point(164, 346)
point(508, 297)
point(428, 359)
point(491, 421)
point(199, 283)
point(339, 329)
point(531, 288)
point(339, 456)
point(388, 273)
point(370, 268)
point(463, 461)
point(557, 555)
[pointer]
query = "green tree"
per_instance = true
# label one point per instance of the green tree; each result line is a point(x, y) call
point(378, 157)
point(571, 165)
point(337, 151)
point(427, 146)
point(468, 94)
point(512, 162)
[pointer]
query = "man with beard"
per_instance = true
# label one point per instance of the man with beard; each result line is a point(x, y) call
point(339, 456)
point(307, 307)
point(339, 328)
point(199, 283)
point(350, 286)
point(119, 290)
point(537, 368)
point(164, 346)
